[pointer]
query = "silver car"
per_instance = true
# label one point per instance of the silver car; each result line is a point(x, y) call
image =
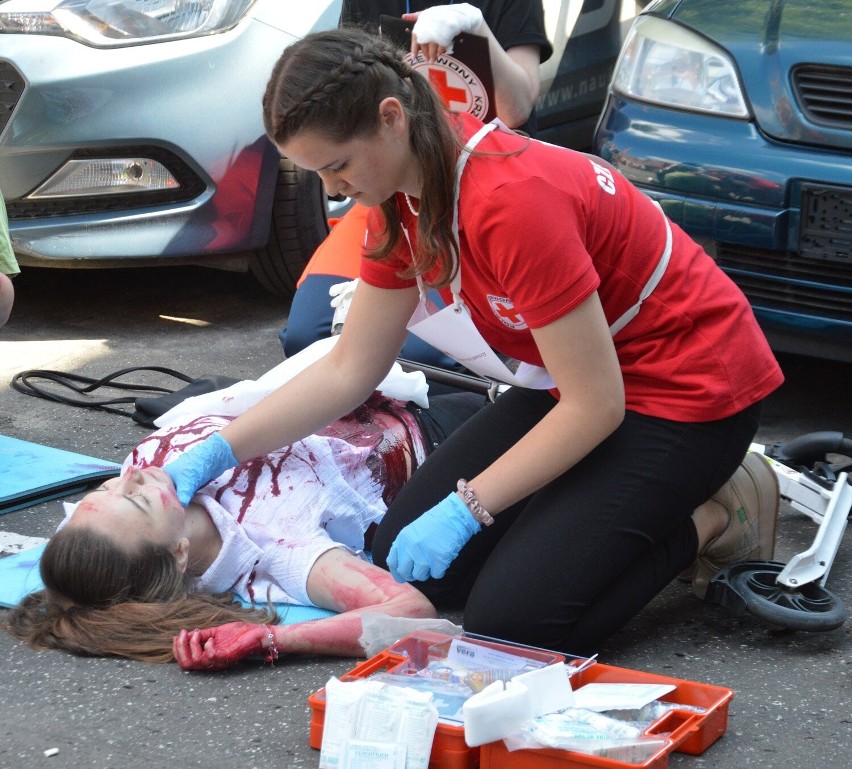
point(131, 130)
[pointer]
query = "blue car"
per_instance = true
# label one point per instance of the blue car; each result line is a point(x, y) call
point(737, 118)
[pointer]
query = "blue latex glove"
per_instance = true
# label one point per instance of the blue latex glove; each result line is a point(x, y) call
point(427, 546)
point(200, 465)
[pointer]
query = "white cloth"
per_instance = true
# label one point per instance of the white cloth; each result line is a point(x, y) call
point(234, 400)
point(441, 23)
point(342, 295)
point(279, 513)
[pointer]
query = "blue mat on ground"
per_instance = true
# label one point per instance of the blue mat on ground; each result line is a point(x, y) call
point(19, 577)
point(31, 473)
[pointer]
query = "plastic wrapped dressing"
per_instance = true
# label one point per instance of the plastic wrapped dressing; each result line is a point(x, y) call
point(367, 754)
point(614, 696)
point(342, 706)
point(378, 631)
point(586, 731)
point(366, 718)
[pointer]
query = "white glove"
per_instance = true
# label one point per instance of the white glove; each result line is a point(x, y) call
point(342, 294)
point(441, 23)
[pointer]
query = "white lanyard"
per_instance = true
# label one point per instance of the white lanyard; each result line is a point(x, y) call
point(451, 329)
point(652, 282)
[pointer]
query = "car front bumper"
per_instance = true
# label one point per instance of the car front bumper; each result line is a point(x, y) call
point(189, 100)
point(742, 196)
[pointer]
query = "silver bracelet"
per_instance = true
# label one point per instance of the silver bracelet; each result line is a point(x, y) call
point(272, 649)
point(476, 510)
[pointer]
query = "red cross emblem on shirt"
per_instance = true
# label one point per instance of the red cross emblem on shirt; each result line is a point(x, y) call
point(505, 311)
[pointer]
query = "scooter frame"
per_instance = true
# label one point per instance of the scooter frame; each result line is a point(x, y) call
point(829, 507)
point(793, 595)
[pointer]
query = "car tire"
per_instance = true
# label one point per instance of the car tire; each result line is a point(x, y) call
point(299, 223)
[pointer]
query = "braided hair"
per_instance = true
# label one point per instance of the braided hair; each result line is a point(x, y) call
point(333, 83)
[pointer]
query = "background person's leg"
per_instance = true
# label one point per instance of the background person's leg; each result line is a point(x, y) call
point(8, 267)
point(337, 260)
point(7, 298)
point(310, 313)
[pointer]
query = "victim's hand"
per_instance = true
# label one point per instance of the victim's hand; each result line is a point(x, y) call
point(217, 648)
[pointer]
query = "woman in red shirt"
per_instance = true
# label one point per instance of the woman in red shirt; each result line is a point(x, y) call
point(615, 461)
point(518, 44)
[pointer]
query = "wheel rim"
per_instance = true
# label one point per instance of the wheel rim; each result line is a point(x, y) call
point(810, 607)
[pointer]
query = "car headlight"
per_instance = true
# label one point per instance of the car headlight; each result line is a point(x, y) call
point(106, 176)
point(112, 23)
point(664, 63)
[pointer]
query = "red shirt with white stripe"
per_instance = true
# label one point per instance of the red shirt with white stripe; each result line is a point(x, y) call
point(542, 229)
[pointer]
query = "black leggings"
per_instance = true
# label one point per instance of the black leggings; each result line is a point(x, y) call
point(585, 553)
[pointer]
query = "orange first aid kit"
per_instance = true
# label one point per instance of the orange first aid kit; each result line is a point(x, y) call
point(690, 731)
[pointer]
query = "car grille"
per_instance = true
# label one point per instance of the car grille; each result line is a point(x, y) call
point(826, 223)
point(191, 186)
point(11, 90)
point(825, 94)
point(786, 281)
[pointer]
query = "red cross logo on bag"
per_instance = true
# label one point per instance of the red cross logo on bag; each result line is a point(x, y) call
point(458, 86)
point(505, 311)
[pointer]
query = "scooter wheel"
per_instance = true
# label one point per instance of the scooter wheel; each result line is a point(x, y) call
point(753, 587)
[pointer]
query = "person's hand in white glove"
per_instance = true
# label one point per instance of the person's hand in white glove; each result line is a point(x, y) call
point(341, 294)
point(436, 27)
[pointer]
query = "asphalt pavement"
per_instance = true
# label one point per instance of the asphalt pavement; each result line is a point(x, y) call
point(793, 690)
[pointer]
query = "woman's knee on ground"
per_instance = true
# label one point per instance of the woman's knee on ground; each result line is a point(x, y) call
point(513, 621)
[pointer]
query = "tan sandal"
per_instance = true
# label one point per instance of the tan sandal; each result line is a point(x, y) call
point(752, 500)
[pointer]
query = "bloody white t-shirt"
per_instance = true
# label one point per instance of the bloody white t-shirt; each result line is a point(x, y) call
point(277, 514)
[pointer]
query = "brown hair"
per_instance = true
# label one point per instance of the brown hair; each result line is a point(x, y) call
point(333, 83)
point(104, 601)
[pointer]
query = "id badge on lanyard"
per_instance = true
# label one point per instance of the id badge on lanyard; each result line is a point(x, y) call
point(451, 329)
point(453, 332)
